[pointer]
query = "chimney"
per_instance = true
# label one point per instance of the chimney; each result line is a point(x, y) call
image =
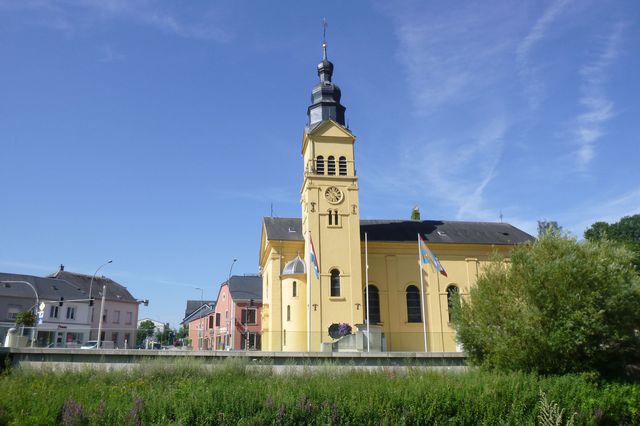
point(61, 267)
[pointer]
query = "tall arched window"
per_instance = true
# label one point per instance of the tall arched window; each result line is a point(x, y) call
point(320, 165)
point(414, 313)
point(295, 289)
point(374, 304)
point(342, 166)
point(452, 298)
point(335, 283)
point(288, 312)
point(331, 166)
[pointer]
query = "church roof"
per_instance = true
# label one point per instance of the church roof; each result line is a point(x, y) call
point(436, 231)
point(294, 267)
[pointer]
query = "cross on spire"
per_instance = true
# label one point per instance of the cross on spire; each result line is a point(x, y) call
point(325, 24)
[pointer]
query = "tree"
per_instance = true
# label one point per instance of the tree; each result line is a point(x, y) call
point(145, 329)
point(558, 306)
point(548, 226)
point(626, 231)
point(166, 336)
point(25, 318)
point(415, 213)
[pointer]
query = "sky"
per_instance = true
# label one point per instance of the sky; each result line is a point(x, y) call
point(158, 134)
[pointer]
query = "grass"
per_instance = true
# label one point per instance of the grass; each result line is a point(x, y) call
point(193, 393)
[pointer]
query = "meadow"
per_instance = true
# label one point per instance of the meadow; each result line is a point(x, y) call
point(191, 393)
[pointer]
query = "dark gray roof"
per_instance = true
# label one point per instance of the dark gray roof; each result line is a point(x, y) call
point(192, 305)
point(201, 311)
point(115, 291)
point(49, 289)
point(294, 267)
point(436, 231)
point(246, 287)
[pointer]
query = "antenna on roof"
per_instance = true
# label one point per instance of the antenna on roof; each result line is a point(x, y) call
point(500, 216)
point(272, 209)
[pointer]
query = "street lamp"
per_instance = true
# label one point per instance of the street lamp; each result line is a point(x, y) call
point(104, 294)
point(35, 325)
point(231, 314)
point(89, 316)
point(201, 336)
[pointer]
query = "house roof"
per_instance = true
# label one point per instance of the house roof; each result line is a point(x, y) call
point(201, 311)
point(115, 291)
point(193, 305)
point(246, 287)
point(436, 231)
point(49, 289)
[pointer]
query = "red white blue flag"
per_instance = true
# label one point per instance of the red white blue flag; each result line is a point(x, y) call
point(314, 258)
point(427, 256)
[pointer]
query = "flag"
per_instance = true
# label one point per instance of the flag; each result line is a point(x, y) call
point(314, 258)
point(427, 256)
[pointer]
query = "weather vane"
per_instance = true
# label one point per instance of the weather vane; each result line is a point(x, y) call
point(325, 24)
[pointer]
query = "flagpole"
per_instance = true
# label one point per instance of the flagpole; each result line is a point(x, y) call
point(424, 314)
point(366, 288)
point(309, 295)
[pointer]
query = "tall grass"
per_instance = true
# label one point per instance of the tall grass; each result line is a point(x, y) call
point(194, 393)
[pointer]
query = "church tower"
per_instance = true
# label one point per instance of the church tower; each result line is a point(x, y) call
point(330, 213)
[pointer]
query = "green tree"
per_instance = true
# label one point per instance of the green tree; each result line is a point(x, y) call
point(167, 335)
point(26, 318)
point(182, 332)
point(626, 231)
point(145, 329)
point(558, 306)
point(548, 226)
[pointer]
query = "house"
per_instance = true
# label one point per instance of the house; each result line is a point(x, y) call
point(120, 316)
point(200, 325)
point(238, 312)
point(64, 307)
point(330, 270)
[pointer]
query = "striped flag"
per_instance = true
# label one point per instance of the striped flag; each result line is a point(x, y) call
point(427, 256)
point(314, 258)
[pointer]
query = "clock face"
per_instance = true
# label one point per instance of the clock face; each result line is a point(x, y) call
point(333, 195)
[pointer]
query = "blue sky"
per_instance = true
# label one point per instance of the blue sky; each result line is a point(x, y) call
point(158, 134)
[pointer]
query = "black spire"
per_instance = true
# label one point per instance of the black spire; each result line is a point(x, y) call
point(325, 96)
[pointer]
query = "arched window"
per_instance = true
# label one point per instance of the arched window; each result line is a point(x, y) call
point(342, 166)
point(331, 166)
point(335, 218)
point(335, 283)
point(288, 312)
point(295, 289)
point(320, 165)
point(374, 304)
point(452, 298)
point(414, 313)
point(330, 217)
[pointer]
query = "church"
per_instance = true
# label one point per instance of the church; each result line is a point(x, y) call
point(329, 276)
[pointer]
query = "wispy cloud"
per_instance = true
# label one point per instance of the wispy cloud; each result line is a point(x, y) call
point(206, 23)
point(597, 107)
point(534, 88)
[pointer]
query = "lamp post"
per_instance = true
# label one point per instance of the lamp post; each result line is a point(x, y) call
point(231, 315)
point(201, 334)
point(104, 294)
point(35, 325)
point(89, 319)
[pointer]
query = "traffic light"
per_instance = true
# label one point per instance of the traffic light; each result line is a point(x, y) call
point(60, 301)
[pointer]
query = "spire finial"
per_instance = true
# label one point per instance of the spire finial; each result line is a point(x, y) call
point(325, 24)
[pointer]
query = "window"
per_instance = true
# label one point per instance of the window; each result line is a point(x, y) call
point(248, 316)
point(71, 313)
point(413, 304)
point(374, 304)
point(114, 338)
point(53, 311)
point(330, 218)
point(333, 218)
point(320, 165)
point(288, 312)
point(284, 337)
point(13, 311)
point(254, 340)
point(218, 319)
point(452, 298)
point(294, 289)
point(210, 321)
point(116, 317)
point(129, 318)
point(104, 316)
point(127, 339)
point(335, 283)
point(342, 166)
point(331, 166)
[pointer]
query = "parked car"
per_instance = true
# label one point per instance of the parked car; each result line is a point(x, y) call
point(93, 344)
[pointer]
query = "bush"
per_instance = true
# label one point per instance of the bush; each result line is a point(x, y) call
point(560, 306)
